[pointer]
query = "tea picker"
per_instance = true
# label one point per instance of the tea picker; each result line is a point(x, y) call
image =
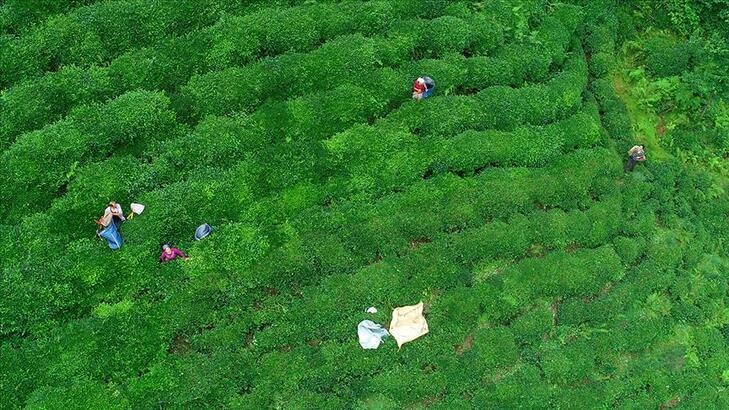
point(635, 154)
point(169, 253)
point(109, 222)
point(113, 216)
point(423, 87)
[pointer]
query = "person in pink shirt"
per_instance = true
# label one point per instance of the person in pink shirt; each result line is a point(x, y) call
point(169, 253)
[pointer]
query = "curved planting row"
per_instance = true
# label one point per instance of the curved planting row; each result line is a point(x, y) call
point(498, 107)
point(231, 41)
point(524, 146)
point(336, 115)
point(41, 162)
point(580, 273)
point(415, 123)
point(343, 237)
point(99, 32)
point(395, 158)
point(400, 219)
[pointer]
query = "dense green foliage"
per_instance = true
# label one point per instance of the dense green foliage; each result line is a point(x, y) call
point(679, 54)
point(550, 277)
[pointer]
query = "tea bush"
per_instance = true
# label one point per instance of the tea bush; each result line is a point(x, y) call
point(549, 276)
point(42, 161)
point(98, 32)
point(233, 40)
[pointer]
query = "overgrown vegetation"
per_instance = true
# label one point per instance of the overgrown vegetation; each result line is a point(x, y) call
point(676, 71)
point(550, 277)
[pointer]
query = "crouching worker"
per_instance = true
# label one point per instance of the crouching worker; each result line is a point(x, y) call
point(635, 154)
point(169, 253)
point(423, 87)
point(113, 214)
point(109, 225)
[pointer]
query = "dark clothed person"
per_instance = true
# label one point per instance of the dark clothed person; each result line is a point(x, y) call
point(635, 154)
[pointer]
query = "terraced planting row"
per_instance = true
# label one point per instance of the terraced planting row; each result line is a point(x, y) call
point(550, 277)
point(236, 41)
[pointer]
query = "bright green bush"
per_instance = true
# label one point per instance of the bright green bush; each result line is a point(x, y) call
point(531, 327)
point(366, 291)
point(525, 146)
point(561, 274)
point(495, 347)
point(569, 364)
point(35, 103)
point(614, 114)
point(41, 162)
point(665, 57)
point(100, 32)
point(235, 248)
point(445, 34)
point(601, 64)
point(84, 393)
point(265, 114)
point(205, 379)
point(628, 248)
point(524, 387)
point(550, 277)
point(487, 33)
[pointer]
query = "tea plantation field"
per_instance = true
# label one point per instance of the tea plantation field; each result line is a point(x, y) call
point(551, 278)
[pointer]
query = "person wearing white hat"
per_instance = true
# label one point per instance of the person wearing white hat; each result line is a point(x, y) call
point(423, 87)
point(419, 88)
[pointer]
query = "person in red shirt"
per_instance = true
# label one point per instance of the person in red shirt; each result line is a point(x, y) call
point(419, 88)
point(169, 253)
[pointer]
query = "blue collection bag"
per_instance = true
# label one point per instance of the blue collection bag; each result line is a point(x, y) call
point(429, 87)
point(112, 236)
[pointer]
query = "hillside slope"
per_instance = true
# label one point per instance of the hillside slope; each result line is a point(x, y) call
point(550, 277)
